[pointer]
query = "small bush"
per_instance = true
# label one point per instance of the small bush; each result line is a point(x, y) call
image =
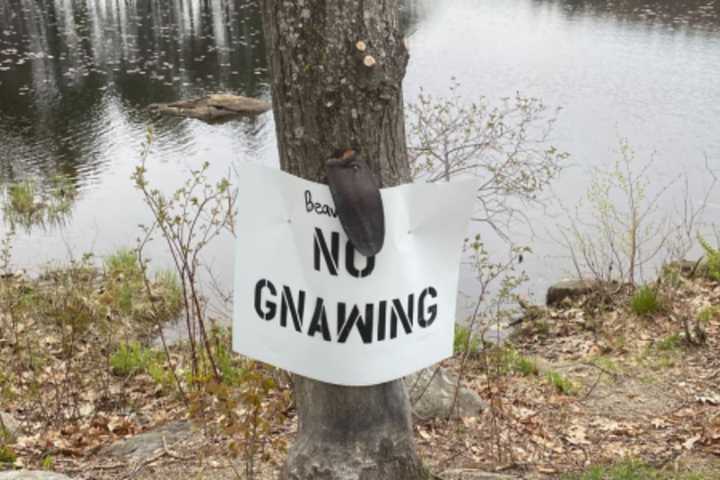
point(465, 341)
point(127, 293)
point(131, 359)
point(712, 255)
point(48, 463)
point(561, 384)
point(125, 280)
point(506, 360)
point(159, 375)
point(645, 301)
point(523, 365)
point(123, 262)
point(7, 455)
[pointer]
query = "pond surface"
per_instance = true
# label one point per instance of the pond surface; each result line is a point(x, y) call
point(76, 78)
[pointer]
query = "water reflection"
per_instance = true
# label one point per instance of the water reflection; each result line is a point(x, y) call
point(76, 76)
point(30, 203)
point(70, 68)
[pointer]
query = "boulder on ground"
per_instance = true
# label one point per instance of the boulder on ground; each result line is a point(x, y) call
point(432, 392)
point(32, 475)
point(215, 107)
point(144, 445)
point(570, 290)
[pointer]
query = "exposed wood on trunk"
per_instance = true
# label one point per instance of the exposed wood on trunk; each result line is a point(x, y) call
point(337, 69)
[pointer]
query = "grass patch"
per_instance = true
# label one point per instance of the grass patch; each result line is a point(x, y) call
point(166, 286)
point(645, 301)
point(7, 455)
point(664, 353)
point(230, 365)
point(30, 203)
point(126, 292)
point(708, 314)
point(524, 366)
point(125, 285)
point(77, 316)
point(133, 358)
point(465, 341)
point(607, 364)
point(670, 343)
point(48, 463)
point(561, 384)
point(635, 470)
point(123, 262)
point(712, 256)
point(506, 360)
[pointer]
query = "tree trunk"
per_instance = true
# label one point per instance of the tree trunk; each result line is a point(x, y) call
point(337, 68)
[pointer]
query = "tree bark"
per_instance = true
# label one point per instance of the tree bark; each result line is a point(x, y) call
point(337, 68)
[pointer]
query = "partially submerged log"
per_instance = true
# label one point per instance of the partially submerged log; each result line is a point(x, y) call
point(213, 108)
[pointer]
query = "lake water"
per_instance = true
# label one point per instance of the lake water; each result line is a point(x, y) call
point(76, 77)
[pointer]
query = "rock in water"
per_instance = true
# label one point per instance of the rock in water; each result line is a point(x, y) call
point(432, 393)
point(32, 475)
point(568, 289)
point(213, 108)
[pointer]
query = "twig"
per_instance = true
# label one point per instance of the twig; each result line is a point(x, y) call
point(592, 388)
point(170, 453)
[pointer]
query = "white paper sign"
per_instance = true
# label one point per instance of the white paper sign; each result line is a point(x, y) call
point(306, 302)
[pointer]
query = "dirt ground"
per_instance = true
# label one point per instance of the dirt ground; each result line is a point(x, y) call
point(596, 385)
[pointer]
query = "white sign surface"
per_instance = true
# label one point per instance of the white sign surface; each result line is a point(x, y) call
point(306, 302)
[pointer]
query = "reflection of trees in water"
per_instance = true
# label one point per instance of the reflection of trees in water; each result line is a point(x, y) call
point(65, 63)
point(171, 42)
point(31, 203)
point(682, 14)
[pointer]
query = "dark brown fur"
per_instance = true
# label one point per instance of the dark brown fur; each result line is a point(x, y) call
point(357, 201)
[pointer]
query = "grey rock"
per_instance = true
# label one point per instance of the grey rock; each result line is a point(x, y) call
point(568, 289)
point(143, 446)
point(432, 392)
point(9, 427)
point(32, 475)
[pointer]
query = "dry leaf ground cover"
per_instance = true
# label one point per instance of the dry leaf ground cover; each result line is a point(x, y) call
point(593, 383)
point(588, 390)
